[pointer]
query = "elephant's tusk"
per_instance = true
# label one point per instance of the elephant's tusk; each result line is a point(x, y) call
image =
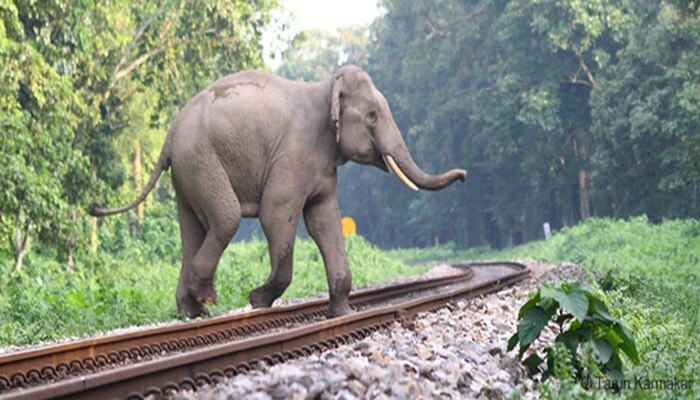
point(399, 174)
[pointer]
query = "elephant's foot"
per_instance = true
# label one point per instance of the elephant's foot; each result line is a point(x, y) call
point(202, 290)
point(338, 309)
point(262, 297)
point(191, 308)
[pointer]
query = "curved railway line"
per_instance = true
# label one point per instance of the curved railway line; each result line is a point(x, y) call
point(163, 360)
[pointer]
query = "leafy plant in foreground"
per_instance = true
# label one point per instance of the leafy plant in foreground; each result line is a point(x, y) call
point(582, 320)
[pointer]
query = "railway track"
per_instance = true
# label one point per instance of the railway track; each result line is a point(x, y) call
point(164, 360)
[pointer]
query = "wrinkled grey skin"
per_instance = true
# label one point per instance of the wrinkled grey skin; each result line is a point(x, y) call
point(256, 145)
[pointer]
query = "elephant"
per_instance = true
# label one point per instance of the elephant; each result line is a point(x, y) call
point(253, 144)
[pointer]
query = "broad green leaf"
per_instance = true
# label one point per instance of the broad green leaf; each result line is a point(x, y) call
point(627, 343)
point(570, 340)
point(616, 374)
point(549, 292)
point(532, 301)
point(614, 367)
point(549, 306)
point(531, 325)
point(585, 289)
point(603, 349)
point(598, 309)
point(570, 297)
point(532, 363)
point(546, 374)
point(583, 331)
point(574, 301)
point(513, 341)
point(529, 304)
point(613, 339)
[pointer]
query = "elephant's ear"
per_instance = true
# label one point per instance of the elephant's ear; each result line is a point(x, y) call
point(336, 104)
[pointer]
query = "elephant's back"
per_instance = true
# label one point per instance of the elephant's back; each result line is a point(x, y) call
point(247, 87)
point(253, 97)
point(229, 99)
point(234, 122)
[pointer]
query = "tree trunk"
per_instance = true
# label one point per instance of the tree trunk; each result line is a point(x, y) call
point(581, 153)
point(20, 242)
point(94, 239)
point(137, 177)
point(583, 194)
point(72, 241)
point(93, 234)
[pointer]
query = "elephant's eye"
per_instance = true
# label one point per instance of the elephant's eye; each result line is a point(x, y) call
point(373, 117)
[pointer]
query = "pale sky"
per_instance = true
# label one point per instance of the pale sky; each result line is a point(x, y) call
point(319, 14)
point(330, 14)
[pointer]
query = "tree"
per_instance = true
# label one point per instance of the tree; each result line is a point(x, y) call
point(538, 99)
point(92, 86)
point(647, 118)
point(42, 174)
point(313, 55)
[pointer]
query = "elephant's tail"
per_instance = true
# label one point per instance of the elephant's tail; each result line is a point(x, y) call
point(162, 165)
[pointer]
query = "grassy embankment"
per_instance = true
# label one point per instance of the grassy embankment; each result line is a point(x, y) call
point(653, 285)
point(45, 301)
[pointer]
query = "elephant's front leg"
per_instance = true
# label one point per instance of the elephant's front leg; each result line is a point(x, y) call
point(279, 221)
point(323, 223)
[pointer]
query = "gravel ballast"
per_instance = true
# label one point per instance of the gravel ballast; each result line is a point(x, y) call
point(457, 352)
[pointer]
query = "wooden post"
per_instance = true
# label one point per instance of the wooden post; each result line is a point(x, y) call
point(20, 241)
point(137, 177)
point(581, 152)
point(93, 234)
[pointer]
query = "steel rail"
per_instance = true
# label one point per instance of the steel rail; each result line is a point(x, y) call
point(25, 368)
point(208, 365)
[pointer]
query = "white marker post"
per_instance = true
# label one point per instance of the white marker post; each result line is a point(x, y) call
point(547, 231)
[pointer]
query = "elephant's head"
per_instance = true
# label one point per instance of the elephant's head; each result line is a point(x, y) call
point(366, 132)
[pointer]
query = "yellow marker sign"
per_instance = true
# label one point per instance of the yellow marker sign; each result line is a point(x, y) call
point(349, 226)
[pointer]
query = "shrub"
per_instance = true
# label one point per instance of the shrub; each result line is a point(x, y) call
point(582, 321)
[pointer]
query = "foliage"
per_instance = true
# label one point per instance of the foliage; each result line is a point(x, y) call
point(43, 175)
point(86, 87)
point(572, 108)
point(650, 274)
point(135, 282)
point(651, 156)
point(560, 110)
point(314, 55)
point(582, 319)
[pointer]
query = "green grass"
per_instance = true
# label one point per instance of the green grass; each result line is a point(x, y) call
point(45, 301)
point(654, 284)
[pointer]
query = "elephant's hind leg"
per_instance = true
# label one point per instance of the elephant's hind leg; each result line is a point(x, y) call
point(218, 210)
point(192, 234)
point(223, 217)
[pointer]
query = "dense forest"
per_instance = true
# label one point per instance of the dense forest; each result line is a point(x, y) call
point(87, 92)
point(560, 110)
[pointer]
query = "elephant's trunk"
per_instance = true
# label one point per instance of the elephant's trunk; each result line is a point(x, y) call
point(401, 163)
